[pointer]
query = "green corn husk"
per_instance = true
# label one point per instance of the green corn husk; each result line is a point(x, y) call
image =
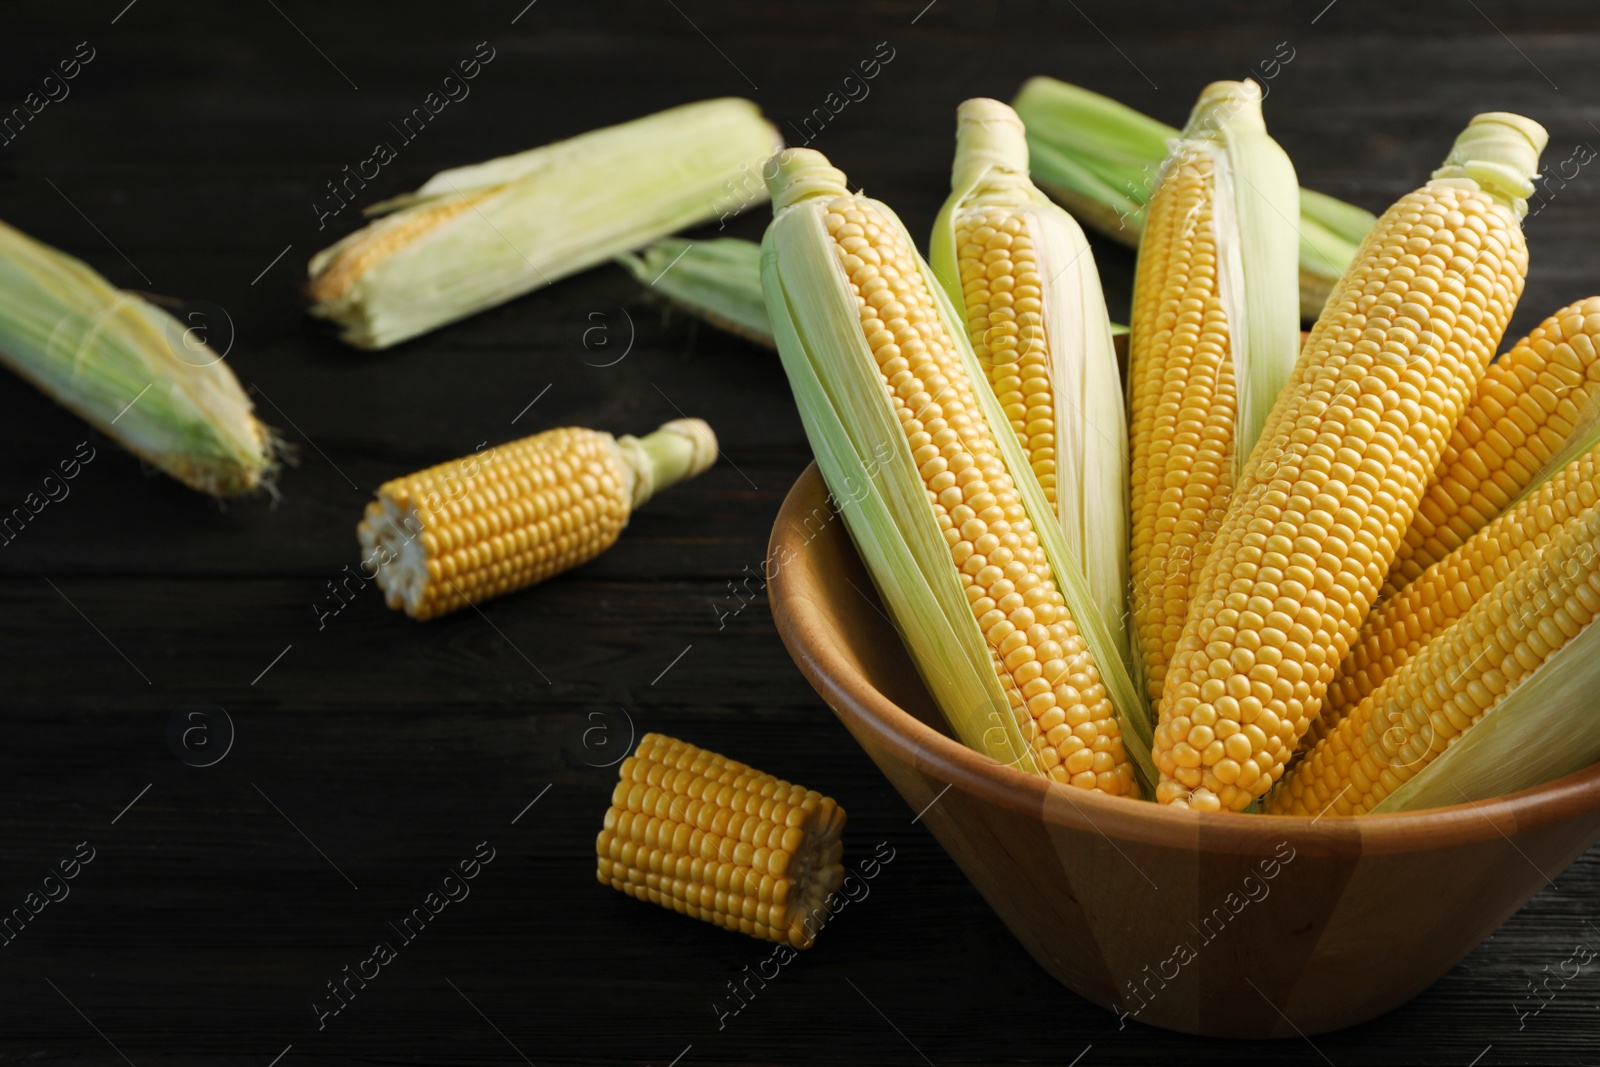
point(128, 368)
point(718, 281)
point(477, 236)
point(1088, 426)
point(867, 463)
point(1102, 159)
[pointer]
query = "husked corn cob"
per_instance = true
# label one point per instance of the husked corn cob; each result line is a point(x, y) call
point(718, 280)
point(722, 842)
point(1022, 270)
point(1458, 678)
point(476, 236)
point(1402, 625)
point(461, 532)
point(1206, 343)
point(1320, 509)
point(943, 510)
point(1530, 402)
point(129, 369)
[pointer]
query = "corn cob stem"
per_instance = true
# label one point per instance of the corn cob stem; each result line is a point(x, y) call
point(1316, 518)
point(460, 532)
point(721, 842)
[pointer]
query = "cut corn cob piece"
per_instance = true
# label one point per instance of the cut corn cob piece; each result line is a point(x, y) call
point(493, 522)
point(722, 842)
point(1318, 513)
point(129, 369)
point(1023, 273)
point(1215, 335)
point(951, 523)
point(1531, 402)
point(1102, 160)
point(474, 237)
point(1469, 671)
point(1402, 625)
point(717, 280)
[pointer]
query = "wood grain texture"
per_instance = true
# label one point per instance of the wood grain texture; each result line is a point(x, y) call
point(187, 157)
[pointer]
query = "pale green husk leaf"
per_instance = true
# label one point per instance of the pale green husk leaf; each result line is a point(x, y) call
point(530, 219)
point(718, 280)
point(128, 368)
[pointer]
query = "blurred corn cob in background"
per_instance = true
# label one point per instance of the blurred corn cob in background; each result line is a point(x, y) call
point(717, 280)
point(1348, 451)
point(1215, 335)
point(1101, 159)
point(721, 842)
point(477, 236)
point(1019, 269)
point(128, 368)
point(936, 491)
point(461, 532)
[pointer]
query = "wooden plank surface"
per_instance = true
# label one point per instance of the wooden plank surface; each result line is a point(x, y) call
point(370, 753)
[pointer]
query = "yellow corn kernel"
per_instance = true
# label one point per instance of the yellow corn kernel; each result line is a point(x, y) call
point(1347, 452)
point(1529, 403)
point(721, 842)
point(461, 532)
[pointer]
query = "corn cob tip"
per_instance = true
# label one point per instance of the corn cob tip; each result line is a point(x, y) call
point(1222, 103)
point(796, 174)
point(1500, 151)
point(989, 135)
point(679, 450)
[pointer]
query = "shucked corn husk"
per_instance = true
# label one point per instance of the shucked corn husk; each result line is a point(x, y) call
point(717, 280)
point(865, 459)
point(129, 369)
point(477, 236)
point(1101, 159)
point(989, 178)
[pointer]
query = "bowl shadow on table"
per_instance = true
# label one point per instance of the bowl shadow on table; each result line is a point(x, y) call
point(1216, 924)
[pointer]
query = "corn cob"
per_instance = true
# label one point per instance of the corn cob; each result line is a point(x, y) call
point(477, 236)
point(1532, 400)
point(1214, 338)
point(944, 511)
point(1102, 160)
point(461, 532)
point(1464, 674)
point(717, 280)
point(1318, 513)
point(1020, 268)
point(1402, 625)
point(129, 369)
point(721, 842)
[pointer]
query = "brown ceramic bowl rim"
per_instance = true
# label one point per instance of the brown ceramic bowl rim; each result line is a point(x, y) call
point(866, 711)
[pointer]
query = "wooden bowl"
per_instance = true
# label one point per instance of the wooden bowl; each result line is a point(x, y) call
point(1226, 925)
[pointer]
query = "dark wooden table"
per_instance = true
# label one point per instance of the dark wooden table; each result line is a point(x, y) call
point(372, 753)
